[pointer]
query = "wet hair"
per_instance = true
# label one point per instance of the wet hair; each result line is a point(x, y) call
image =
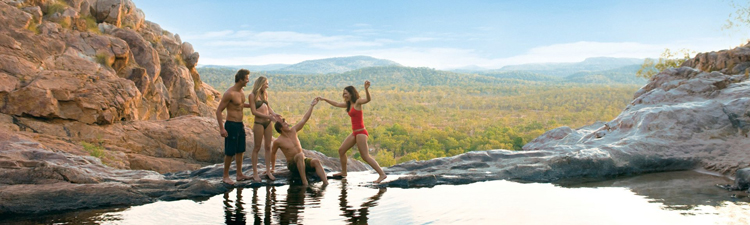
point(277, 126)
point(353, 96)
point(241, 75)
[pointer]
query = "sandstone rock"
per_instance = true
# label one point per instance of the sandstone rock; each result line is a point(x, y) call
point(109, 11)
point(734, 61)
point(6, 122)
point(189, 55)
point(135, 19)
point(9, 42)
point(142, 162)
point(192, 60)
point(8, 83)
point(73, 61)
point(171, 45)
point(17, 66)
point(155, 102)
point(143, 53)
point(182, 90)
point(32, 101)
point(184, 142)
point(14, 18)
point(106, 28)
point(35, 12)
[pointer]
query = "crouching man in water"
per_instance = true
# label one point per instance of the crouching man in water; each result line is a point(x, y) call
point(289, 144)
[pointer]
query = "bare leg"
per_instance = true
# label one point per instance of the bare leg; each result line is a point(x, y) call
point(345, 146)
point(227, 163)
point(258, 138)
point(364, 152)
point(270, 159)
point(238, 161)
point(319, 170)
point(300, 159)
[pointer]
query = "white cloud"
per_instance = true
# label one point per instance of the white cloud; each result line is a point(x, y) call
point(292, 47)
point(263, 59)
point(578, 51)
point(280, 39)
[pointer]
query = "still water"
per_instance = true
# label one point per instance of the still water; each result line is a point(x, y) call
point(685, 197)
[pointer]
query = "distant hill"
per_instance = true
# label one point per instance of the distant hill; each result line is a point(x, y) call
point(411, 77)
point(622, 75)
point(334, 65)
point(387, 76)
point(522, 75)
point(566, 69)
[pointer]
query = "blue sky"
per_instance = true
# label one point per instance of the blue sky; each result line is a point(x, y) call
point(442, 34)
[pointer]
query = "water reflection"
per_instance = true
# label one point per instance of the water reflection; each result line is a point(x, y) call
point(291, 209)
point(234, 211)
point(666, 198)
point(357, 216)
point(678, 190)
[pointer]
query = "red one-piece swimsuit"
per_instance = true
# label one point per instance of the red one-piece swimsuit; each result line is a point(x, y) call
point(358, 124)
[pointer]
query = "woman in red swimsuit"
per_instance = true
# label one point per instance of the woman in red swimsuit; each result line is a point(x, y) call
point(353, 105)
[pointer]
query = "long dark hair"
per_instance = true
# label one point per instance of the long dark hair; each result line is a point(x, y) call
point(353, 96)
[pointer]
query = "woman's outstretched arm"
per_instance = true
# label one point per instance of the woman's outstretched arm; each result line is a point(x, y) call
point(333, 103)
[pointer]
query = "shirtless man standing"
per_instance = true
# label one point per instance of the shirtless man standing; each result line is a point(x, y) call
point(233, 130)
point(289, 144)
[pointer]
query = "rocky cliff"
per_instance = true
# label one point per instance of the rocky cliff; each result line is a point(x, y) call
point(96, 102)
point(692, 117)
point(96, 71)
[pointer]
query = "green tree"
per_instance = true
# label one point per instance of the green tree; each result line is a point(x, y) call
point(668, 59)
point(740, 18)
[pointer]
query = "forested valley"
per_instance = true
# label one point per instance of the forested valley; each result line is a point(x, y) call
point(422, 113)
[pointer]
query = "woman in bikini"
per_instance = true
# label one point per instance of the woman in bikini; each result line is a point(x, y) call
point(353, 105)
point(262, 130)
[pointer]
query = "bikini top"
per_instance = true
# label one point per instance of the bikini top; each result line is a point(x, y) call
point(259, 103)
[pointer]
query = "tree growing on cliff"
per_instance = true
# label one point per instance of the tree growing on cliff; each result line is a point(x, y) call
point(740, 18)
point(668, 59)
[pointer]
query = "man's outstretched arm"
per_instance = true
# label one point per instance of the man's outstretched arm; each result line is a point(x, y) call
point(301, 123)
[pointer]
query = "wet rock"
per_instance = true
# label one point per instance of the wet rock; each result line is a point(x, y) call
point(41, 179)
point(742, 179)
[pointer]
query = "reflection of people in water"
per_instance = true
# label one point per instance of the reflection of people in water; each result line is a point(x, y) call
point(270, 203)
point(292, 208)
point(256, 210)
point(357, 216)
point(234, 214)
point(295, 205)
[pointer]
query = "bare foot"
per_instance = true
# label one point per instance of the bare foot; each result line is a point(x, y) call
point(228, 181)
point(256, 178)
point(241, 177)
point(381, 178)
point(271, 177)
point(339, 175)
